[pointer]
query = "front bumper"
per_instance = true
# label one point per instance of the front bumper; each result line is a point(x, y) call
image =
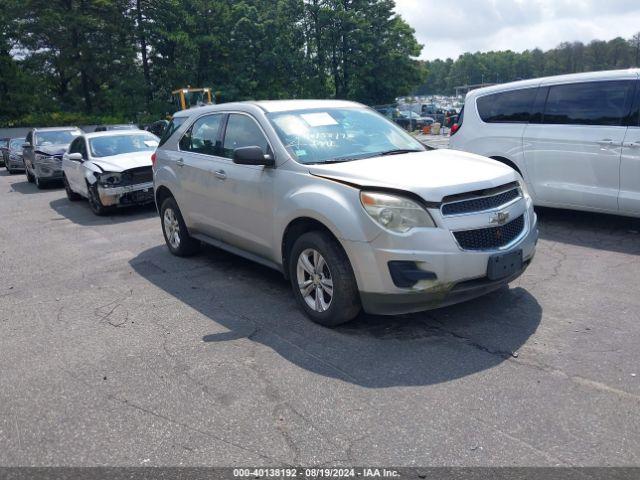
point(48, 169)
point(460, 275)
point(138, 194)
point(15, 163)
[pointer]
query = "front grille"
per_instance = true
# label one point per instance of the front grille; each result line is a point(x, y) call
point(492, 237)
point(480, 204)
point(138, 197)
point(137, 175)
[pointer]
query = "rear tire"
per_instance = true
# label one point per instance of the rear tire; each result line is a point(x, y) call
point(71, 195)
point(175, 231)
point(322, 280)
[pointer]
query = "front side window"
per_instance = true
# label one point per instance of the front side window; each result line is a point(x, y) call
point(507, 107)
point(108, 146)
point(57, 137)
point(339, 134)
point(75, 146)
point(594, 103)
point(242, 131)
point(202, 137)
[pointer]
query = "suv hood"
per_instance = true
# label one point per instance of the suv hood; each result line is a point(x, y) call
point(432, 175)
point(125, 161)
point(52, 149)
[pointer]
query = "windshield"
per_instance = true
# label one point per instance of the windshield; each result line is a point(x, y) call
point(56, 137)
point(119, 144)
point(16, 143)
point(339, 134)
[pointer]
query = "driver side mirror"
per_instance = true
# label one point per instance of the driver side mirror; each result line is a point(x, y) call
point(252, 156)
point(76, 157)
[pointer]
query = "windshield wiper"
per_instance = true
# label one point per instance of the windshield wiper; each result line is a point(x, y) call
point(398, 151)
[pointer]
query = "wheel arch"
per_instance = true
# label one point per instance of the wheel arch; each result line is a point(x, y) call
point(296, 228)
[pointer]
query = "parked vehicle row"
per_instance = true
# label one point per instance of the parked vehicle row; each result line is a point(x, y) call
point(351, 208)
point(575, 138)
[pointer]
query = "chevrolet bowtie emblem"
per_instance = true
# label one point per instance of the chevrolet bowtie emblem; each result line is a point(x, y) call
point(499, 218)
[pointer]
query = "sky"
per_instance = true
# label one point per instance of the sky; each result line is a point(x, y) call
point(450, 28)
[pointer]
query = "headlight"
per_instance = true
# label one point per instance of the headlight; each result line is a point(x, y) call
point(110, 179)
point(395, 213)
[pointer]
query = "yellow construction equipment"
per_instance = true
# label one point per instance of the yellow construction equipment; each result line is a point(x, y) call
point(184, 98)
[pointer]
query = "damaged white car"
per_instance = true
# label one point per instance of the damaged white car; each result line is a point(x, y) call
point(111, 169)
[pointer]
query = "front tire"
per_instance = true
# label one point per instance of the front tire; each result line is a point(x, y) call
point(175, 231)
point(94, 201)
point(322, 280)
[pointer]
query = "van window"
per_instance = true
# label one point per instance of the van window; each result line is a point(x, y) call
point(593, 103)
point(507, 107)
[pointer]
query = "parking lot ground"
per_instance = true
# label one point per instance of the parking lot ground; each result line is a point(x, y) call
point(114, 352)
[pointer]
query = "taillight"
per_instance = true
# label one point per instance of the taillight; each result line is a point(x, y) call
point(153, 160)
point(454, 128)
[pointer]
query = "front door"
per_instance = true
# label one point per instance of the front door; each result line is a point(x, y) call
point(247, 209)
point(573, 155)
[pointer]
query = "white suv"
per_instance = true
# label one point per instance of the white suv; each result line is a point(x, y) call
point(351, 208)
point(574, 138)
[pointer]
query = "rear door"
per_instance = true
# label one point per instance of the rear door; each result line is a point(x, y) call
point(195, 163)
point(572, 153)
point(629, 199)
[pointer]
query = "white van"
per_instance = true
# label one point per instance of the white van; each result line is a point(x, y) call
point(574, 138)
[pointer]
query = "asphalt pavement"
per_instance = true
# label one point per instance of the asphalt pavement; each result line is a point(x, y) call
point(114, 352)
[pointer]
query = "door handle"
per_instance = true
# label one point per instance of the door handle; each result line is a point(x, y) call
point(606, 141)
point(632, 144)
point(220, 174)
point(180, 162)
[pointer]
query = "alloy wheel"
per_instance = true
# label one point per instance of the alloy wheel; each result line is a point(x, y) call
point(172, 228)
point(314, 280)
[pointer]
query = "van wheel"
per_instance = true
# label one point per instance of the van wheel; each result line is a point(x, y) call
point(322, 280)
point(175, 231)
point(71, 195)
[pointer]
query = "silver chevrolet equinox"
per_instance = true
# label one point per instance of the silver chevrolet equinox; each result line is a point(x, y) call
point(353, 210)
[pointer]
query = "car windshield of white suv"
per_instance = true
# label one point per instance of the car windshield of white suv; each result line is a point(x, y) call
point(56, 137)
point(120, 144)
point(340, 134)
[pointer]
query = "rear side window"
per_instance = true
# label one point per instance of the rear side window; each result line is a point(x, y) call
point(174, 125)
point(202, 137)
point(507, 107)
point(594, 103)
